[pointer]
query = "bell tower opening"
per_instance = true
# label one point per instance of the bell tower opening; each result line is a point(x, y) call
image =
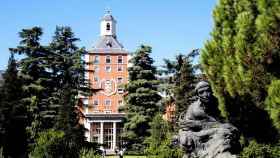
point(108, 27)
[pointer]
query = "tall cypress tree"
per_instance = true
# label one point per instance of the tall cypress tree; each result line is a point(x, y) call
point(141, 99)
point(241, 60)
point(13, 113)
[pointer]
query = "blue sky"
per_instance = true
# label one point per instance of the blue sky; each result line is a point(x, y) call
point(169, 26)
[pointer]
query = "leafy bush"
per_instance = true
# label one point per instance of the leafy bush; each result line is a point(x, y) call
point(273, 102)
point(255, 150)
point(48, 145)
point(159, 143)
point(166, 150)
point(89, 153)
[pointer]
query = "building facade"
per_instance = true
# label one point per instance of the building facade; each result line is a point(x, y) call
point(107, 71)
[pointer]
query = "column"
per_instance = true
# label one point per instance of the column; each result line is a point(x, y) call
point(88, 132)
point(114, 135)
point(101, 132)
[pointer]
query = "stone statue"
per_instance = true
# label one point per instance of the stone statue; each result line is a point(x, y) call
point(202, 134)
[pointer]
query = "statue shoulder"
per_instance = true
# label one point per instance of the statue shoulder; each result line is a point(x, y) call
point(188, 113)
point(192, 110)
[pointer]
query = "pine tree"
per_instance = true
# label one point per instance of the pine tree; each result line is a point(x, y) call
point(68, 72)
point(34, 72)
point(52, 80)
point(13, 113)
point(241, 60)
point(182, 80)
point(141, 99)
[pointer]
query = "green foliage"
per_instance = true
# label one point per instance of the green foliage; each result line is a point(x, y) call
point(35, 76)
point(68, 78)
point(182, 80)
point(52, 78)
point(240, 61)
point(68, 122)
point(260, 151)
point(13, 113)
point(48, 145)
point(141, 99)
point(273, 102)
point(159, 143)
point(88, 153)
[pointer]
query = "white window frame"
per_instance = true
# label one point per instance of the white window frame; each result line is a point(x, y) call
point(121, 68)
point(109, 70)
point(119, 79)
point(96, 59)
point(108, 57)
point(95, 68)
point(121, 59)
point(85, 101)
point(94, 101)
point(109, 101)
point(120, 90)
point(95, 78)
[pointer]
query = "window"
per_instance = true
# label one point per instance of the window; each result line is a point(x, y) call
point(108, 59)
point(96, 59)
point(108, 27)
point(120, 59)
point(107, 102)
point(120, 68)
point(95, 130)
point(95, 78)
point(120, 102)
point(109, 44)
point(95, 68)
point(85, 101)
point(95, 105)
point(120, 90)
point(95, 102)
point(108, 68)
point(119, 80)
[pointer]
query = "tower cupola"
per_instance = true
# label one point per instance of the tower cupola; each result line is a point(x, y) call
point(108, 25)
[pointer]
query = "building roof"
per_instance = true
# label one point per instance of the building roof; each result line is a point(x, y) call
point(108, 44)
point(108, 17)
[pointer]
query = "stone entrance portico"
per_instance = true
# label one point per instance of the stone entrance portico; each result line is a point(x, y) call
point(105, 129)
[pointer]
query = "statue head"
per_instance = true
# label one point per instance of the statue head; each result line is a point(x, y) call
point(204, 92)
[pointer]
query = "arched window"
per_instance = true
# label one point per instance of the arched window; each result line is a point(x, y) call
point(108, 27)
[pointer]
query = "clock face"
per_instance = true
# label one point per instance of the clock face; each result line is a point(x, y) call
point(109, 87)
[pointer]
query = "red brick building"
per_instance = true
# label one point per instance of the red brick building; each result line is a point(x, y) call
point(107, 69)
